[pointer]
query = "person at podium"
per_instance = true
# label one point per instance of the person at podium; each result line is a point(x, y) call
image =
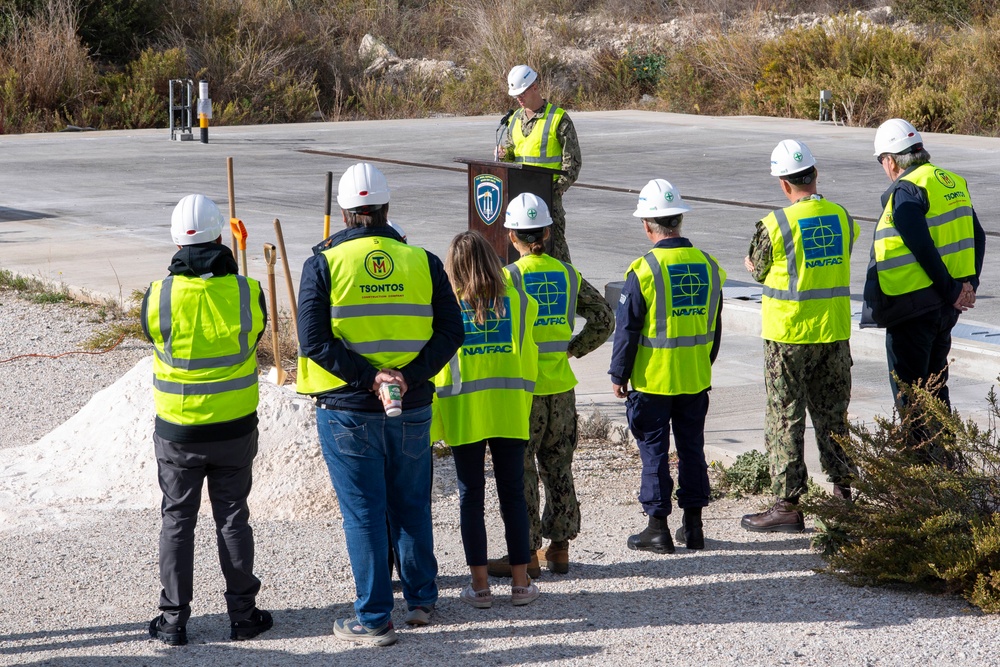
point(542, 134)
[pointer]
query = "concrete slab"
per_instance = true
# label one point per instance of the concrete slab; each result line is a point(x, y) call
point(92, 210)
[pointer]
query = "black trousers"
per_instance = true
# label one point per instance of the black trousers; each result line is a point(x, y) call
point(183, 468)
point(918, 348)
point(650, 418)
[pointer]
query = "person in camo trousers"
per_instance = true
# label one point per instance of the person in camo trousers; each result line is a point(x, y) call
point(561, 293)
point(802, 255)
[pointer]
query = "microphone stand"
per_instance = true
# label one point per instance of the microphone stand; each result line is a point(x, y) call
point(504, 126)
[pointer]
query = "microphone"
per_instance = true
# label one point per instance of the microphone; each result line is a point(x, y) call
point(500, 132)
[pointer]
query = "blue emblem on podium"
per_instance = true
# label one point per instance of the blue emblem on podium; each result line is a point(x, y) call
point(489, 196)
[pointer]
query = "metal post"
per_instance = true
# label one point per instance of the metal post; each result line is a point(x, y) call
point(180, 114)
point(204, 110)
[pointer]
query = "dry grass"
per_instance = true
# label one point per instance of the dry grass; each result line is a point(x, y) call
point(276, 61)
point(45, 69)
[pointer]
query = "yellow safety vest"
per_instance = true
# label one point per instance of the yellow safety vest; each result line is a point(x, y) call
point(682, 288)
point(541, 146)
point(554, 284)
point(949, 220)
point(204, 335)
point(807, 292)
point(485, 390)
point(380, 306)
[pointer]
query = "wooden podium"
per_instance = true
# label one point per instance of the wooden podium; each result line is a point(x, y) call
point(491, 185)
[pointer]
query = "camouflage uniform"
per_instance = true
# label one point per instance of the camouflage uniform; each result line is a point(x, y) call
point(572, 161)
point(553, 434)
point(816, 376)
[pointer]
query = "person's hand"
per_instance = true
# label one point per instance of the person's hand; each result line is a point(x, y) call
point(621, 391)
point(966, 298)
point(747, 263)
point(969, 294)
point(392, 376)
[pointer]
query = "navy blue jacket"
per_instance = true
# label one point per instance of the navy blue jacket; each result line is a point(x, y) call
point(317, 342)
point(630, 319)
point(909, 211)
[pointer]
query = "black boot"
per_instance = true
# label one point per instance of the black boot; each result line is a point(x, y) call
point(655, 538)
point(690, 533)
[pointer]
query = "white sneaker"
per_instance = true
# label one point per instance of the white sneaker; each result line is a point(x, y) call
point(522, 595)
point(479, 599)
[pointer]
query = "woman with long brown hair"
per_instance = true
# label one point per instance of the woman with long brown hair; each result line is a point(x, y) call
point(484, 399)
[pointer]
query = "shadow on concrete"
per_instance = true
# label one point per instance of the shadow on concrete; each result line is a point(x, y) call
point(17, 215)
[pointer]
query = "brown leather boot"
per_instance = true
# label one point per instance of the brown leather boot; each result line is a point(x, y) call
point(500, 567)
point(783, 517)
point(842, 491)
point(555, 557)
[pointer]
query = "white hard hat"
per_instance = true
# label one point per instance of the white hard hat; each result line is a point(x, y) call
point(791, 157)
point(519, 78)
point(362, 185)
point(196, 219)
point(659, 199)
point(895, 136)
point(527, 211)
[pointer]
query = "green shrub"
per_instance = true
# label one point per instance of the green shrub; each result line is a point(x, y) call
point(136, 98)
point(749, 475)
point(925, 503)
point(948, 12)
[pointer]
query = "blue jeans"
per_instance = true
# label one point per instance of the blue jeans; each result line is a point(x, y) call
point(381, 466)
point(508, 470)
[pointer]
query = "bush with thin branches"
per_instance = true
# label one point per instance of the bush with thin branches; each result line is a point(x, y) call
point(926, 499)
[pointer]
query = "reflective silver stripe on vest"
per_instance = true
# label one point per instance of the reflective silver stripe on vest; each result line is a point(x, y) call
point(661, 341)
point(793, 293)
point(374, 347)
point(375, 309)
point(166, 355)
point(544, 158)
point(204, 388)
point(523, 298)
point(573, 287)
point(574, 290)
point(456, 375)
point(908, 258)
point(485, 385)
point(850, 229)
point(935, 221)
point(553, 346)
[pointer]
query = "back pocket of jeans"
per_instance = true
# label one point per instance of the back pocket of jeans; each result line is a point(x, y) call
point(416, 438)
point(351, 439)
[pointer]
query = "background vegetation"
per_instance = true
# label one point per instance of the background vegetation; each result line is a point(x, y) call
point(105, 63)
point(925, 507)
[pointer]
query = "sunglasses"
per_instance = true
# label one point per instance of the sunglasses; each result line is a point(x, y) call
point(880, 158)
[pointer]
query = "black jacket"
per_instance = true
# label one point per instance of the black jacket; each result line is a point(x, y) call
point(204, 260)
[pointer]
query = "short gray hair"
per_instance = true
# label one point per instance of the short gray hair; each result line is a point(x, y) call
point(906, 160)
point(664, 225)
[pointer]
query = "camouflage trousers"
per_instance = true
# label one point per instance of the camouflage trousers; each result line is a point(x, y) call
point(552, 443)
point(816, 376)
point(560, 250)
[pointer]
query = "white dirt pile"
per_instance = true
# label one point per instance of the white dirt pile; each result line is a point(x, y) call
point(102, 458)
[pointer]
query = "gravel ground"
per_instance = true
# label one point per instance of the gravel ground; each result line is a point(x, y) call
point(83, 594)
